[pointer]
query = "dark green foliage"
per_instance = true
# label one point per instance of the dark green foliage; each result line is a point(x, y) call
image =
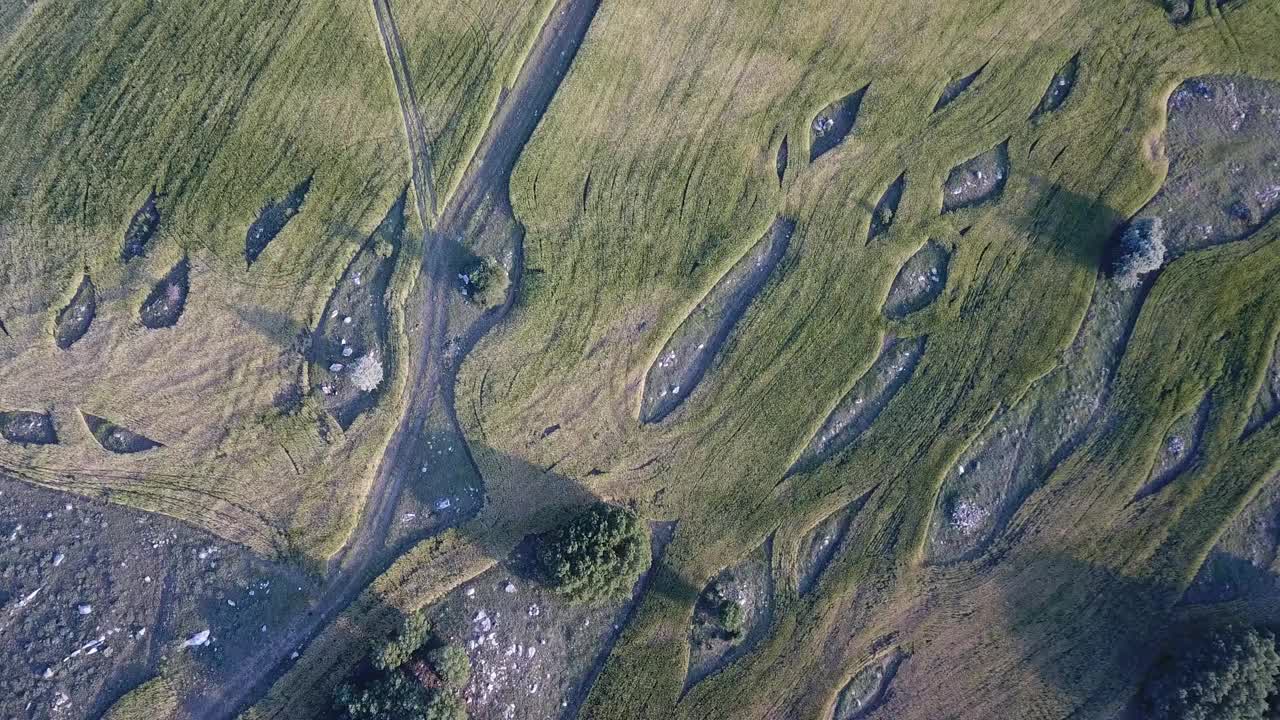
point(393, 695)
point(445, 706)
point(731, 617)
point(413, 634)
point(451, 664)
point(597, 555)
point(484, 282)
point(1227, 675)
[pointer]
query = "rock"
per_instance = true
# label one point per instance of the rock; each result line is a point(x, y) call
point(84, 609)
point(58, 559)
point(48, 673)
point(336, 367)
point(200, 638)
point(444, 504)
point(510, 588)
point(346, 351)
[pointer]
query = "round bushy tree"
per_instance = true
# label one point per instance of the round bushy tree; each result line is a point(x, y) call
point(484, 282)
point(597, 555)
point(1141, 251)
point(1228, 675)
point(392, 695)
point(451, 664)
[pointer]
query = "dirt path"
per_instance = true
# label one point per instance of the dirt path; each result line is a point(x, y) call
point(431, 376)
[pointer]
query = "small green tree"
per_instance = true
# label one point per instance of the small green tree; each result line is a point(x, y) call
point(484, 281)
point(1227, 675)
point(732, 617)
point(451, 664)
point(413, 633)
point(597, 555)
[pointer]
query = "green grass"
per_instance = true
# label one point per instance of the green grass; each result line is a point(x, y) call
point(650, 176)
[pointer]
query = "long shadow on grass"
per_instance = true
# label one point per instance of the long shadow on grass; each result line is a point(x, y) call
point(1087, 631)
point(1078, 227)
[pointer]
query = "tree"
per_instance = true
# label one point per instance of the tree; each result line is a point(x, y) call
point(367, 372)
point(445, 706)
point(732, 617)
point(595, 556)
point(484, 282)
point(451, 664)
point(413, 633)
point(1228, 675)
point(1141, 251)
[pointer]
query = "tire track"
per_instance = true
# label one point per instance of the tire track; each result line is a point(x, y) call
point(432, 374)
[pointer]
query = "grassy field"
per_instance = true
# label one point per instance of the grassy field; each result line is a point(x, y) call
point(655, 171)
point(220, 110)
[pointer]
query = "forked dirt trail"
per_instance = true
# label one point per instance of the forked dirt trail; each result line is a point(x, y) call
point(431, 371)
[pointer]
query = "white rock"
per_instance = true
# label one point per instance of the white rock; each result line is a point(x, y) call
point(200, 638)
point(58, 559)
point(509, 588)
point(336, 367)
point(84, 609)
point(346, 351)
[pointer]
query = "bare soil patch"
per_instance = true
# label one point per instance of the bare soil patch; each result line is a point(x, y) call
point(834, 123)
point(73, 321)
point(271, 221)
point(1243, 565)
point(919, 282)
point(1060, 87)
point(97, 597)
point(956, 88)
point(687, 355)
point(821, 544)
point(355, 322)
point(1178, 449)
point(863, 403)
point(1223, 143)
point(781, 162)
point(749, 584)
point(867, 689)
point(166, 301)
point(977, 180)
point(1023, 444)
point(116, 439)
point(142, 227)
point(27, 427)
point(533, 654)
point(886, 208)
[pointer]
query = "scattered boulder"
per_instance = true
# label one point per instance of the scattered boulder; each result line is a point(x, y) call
point(26, 427)
point(977, 180)
point(834, 123)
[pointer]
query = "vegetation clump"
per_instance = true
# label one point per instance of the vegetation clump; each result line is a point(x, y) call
point(1142, 250)
point(399, 684)
point(597, 555)
point(1230, 674)
point(367, 373)
point(484, 282)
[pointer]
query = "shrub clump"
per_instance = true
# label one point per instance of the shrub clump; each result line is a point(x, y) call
point(1142, 250)
point(413, 634)
point(597, 555)
point(452, 665)
point(399, 684)
point(367, 373)
point(484, 282)
point(1228, 675)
